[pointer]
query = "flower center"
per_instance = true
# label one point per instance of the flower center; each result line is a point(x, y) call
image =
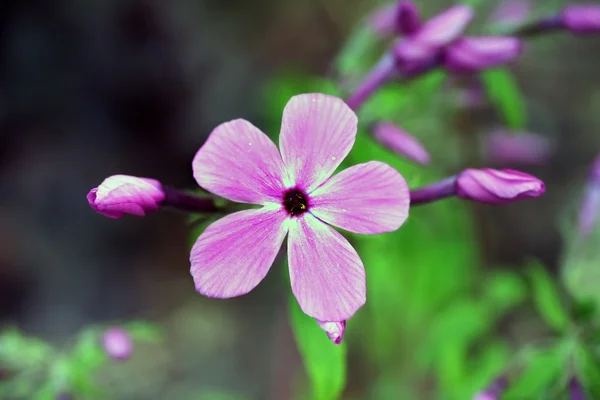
point(295, 202)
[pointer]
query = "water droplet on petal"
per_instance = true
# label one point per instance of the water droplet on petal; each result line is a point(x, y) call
point(333, 158)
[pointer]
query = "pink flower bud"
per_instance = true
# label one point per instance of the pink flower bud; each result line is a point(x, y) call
point(445, 27)
point(335, 330)
point(395, 18)
point(117, 343)
point(493, 186)
point(471, 54)
point(400, 142)
point(434, 35)
point(582, 18)
point(122, 194)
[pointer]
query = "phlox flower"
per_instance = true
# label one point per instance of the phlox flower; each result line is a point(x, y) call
point(300, 199)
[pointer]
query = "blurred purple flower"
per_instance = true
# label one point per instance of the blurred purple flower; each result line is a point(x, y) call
point(497, 186)
point(117, 343)
point(401, 142)
point(400, 17)
point(590, 205)
point(511, 12)
point(434, 35)
point(122, 194)
point(441, 37)
point(334, 330)
point(576, 390)
point(581, 18)
point(471, 54)
point(300, 197)
point(503, 146)
point(493, 392)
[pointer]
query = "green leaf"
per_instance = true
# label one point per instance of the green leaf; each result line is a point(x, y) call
point(504, 290)
point(547, 298)
point(21, 352)
point(357, 54)
point(324, 361)
point(503, 91)
point(144, 331)
point(88, 352)
point(544, 369)
point(588, 369)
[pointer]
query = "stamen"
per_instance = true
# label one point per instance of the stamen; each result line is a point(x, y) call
point(295, 202)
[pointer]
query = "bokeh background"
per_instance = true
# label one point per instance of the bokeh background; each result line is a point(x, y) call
point(92, 88)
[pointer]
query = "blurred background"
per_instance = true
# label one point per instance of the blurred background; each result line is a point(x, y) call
point(89, 89)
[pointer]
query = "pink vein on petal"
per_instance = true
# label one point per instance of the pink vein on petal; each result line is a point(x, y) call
point(235, 253)
point(317, 133)
point(326, 273)
point(367, 198)
point(239, 162)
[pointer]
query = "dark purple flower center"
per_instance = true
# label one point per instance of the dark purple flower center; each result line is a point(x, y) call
point(295, 202)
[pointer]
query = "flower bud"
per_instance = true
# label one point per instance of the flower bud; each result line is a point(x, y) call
point(122, 194)
point(407, 18)
point(117, 343)
point(400, 17)
point(335, 330)
point(576, 390)
point(471, 54)
point(503, 146)
point(493, 186)
point(445, 27)
point(433, 36)
point(581, 18)
point(400, 142)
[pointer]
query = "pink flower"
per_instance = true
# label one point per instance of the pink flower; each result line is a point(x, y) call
point(335, 330)
point(299, 197)
point(122, 194)
point(396, 18)
point(471, 54)
point(494, 186)
point(434, 35)
point(582, 18)
point(117, 343)
point(400, 142)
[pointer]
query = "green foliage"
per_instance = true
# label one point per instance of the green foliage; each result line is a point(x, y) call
point(37, 369)
point(547, 298)
point(20, 352)
point(503, 91)
point(504, 290)
point(544, 372)
point(144, 331)
point(324, 361)
point(580, 272)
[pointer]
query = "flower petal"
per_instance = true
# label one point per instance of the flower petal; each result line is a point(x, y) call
point(400, 141)
point(239, 162)
point(235, 253)
point(317, 133)
point(334, 330)
point(445, 27)
point(470, 54)
point(327, 275)
point(367, 198)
